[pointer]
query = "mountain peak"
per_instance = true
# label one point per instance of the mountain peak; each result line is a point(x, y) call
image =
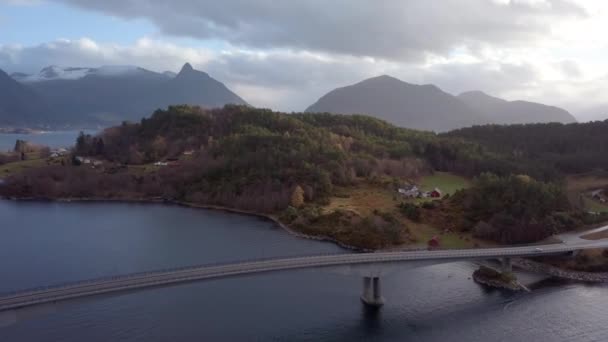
point(404, 104)
point(383, 79)
point(187, 68)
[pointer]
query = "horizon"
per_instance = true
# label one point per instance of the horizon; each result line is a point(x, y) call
point(542, 51)
point(176, 71)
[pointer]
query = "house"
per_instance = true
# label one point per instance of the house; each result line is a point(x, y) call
point(597, 194)
point(409, 191)
point(435, 193)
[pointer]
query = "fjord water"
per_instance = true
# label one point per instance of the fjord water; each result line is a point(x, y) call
point(48, 243)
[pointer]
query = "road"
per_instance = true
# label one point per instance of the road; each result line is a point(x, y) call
point(197, 273)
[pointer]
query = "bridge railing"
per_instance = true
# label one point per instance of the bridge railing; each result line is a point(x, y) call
point(158, 271)
point(193, 267)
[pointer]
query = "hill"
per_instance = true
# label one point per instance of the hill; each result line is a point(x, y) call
point(500, 111)
point(423, 107)
point(109, 95)
point(566, 148)
point(19, 104)
point(303, 168)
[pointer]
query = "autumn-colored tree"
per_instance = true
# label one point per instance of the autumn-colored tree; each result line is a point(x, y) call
point(297, 197)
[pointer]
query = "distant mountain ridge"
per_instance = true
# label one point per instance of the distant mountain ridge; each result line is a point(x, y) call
point(18, 104)
point(513, 112)
point(111, 94)
point(427, 107)
point(424, 107)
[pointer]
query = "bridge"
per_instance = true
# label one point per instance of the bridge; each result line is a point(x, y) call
point(369, 265)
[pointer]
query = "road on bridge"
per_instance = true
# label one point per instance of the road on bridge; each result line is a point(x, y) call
point(175, 276)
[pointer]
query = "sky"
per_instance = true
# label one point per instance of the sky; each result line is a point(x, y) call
point(284, 55)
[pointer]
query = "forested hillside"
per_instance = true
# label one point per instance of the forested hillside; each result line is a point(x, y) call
point(295, 165)
point(567, 148)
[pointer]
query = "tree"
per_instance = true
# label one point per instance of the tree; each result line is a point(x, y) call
point(81, 143)
point(75, 160)
point(297, 197)
point(99, 146)
point(20, 146)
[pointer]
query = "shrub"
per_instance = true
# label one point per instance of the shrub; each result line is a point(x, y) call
point(429, 205)
point(410, 210)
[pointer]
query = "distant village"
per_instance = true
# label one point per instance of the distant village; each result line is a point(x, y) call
point(412, 191)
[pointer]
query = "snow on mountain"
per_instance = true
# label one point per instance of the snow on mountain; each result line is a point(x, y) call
point(54, 72)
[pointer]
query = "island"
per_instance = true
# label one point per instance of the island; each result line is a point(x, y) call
point(351, 179)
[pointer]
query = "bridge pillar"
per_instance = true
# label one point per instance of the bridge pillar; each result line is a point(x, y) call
point(506, 266)
point(371, 292)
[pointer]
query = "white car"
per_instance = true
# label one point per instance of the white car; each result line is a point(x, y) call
point(538, 249)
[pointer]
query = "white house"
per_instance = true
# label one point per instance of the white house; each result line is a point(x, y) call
point(409, 191)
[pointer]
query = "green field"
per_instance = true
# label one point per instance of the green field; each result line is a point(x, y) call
point(422, 233)
point(594, 206)
point(12, 168)
point(447, 182)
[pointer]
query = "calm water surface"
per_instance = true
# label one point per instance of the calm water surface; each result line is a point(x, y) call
point(45, 243)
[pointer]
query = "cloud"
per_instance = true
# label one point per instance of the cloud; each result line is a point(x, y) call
point(570, 69)
point(147, 53)
point(389, 29)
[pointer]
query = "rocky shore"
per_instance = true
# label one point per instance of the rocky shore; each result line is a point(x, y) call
point(489, 277)
point(533, 266)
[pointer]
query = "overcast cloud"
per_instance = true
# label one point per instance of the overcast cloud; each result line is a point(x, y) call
point(394, 29)
point(285, 54)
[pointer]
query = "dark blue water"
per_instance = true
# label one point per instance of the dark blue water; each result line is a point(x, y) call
point(52, 139)
point(44, 243)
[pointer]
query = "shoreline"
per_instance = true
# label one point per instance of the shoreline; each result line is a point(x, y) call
point(269, 217)
point(524, 264)
point(496, 283)
point(587, 277)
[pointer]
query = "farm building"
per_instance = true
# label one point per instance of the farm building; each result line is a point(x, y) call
point(409, 191)
point(435, 193)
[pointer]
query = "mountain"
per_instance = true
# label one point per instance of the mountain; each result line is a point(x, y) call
point(112, 94)
point(423, 107)
point(18, 103)
point(191, 86)
point(512, 112)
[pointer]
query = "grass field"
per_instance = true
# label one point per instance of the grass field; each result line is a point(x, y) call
point(142, 169)
point(594, 206)
point(447, 182)
point(422, 233)
point(578, 185)
point(364, 199)
point(12, 168)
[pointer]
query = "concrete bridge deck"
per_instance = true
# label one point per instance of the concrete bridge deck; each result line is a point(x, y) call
point(181, 275)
